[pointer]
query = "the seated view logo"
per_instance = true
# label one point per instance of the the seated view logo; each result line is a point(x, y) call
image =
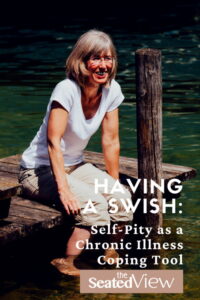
point(131, 281)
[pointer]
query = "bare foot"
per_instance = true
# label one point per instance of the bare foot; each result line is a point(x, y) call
point(111, 253)
point(65, 266)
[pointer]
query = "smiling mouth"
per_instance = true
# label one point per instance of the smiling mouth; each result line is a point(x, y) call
point(101, 73)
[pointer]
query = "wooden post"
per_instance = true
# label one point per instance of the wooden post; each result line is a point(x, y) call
point(149, 126)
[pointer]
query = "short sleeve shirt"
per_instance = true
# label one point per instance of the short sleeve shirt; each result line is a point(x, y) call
point(79, 129)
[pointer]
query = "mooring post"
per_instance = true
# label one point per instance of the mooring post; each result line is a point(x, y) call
point(149, 127)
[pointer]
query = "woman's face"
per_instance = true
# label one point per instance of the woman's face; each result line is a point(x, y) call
point(100, 67)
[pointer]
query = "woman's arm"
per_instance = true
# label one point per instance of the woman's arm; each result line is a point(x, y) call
point(56, 127)
point(110, 142)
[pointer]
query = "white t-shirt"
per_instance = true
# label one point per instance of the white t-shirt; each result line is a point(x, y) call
point(78, 130)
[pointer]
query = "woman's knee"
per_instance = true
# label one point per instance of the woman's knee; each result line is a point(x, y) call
point(39, 184)
point(122, 206)
point(94, 212)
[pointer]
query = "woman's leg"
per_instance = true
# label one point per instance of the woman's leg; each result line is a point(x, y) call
point(39, 184)
point(66, 265)
point(83, 221)
point(89, 173)
point(77, 235)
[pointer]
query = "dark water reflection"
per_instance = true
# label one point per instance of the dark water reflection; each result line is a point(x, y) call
point(31, 63)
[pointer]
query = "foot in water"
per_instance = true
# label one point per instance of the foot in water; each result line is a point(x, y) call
point(66, 266)
point(111, 253)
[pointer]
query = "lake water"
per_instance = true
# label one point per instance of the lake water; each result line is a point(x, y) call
point(32, 62)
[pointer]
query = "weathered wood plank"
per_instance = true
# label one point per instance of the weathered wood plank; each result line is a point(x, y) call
point(33, 204)
point(9, 187)
point(12, 232)
point(18, 220)
point(4, 174)
point(27, 217)
point(9, 168)
point(13, 159)
point(16, 231)
point(30, 213)
point(128, 166)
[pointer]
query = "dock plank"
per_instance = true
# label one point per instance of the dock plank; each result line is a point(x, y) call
point(26, 218)
point(128, 166)
point(9, 186)
point(30, 213)
point(33, 204)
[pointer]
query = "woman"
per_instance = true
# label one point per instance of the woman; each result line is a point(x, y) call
point(52, 167)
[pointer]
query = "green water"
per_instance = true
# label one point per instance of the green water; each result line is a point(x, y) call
point(32, 62)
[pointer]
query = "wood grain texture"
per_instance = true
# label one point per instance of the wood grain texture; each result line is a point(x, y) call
point(149, 126)
point(27, 218)
point(9, 167)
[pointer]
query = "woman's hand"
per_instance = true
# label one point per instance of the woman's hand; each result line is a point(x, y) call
point(70, 202)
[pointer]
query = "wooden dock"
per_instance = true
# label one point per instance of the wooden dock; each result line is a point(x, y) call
point(29, 217)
